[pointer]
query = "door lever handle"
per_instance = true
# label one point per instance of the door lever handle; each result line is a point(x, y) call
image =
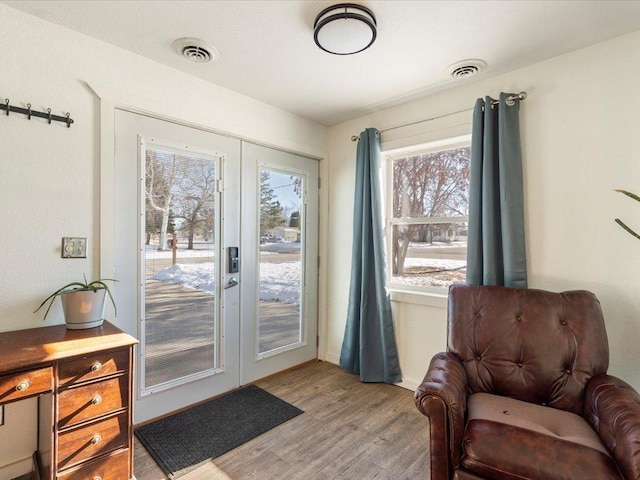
point(233, 281)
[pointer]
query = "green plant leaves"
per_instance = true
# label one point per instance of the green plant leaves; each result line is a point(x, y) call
point(629, 194)
point(620, 222)
point(79, 286)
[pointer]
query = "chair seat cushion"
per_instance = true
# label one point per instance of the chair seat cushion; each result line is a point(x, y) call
point(507, 439)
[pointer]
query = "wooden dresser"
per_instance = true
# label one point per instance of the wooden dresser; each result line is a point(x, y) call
point(83, 381)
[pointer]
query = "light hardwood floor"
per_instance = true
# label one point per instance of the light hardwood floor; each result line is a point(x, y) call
point(350, 430)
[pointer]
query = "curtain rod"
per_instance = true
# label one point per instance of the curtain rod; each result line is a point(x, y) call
point(511, 100)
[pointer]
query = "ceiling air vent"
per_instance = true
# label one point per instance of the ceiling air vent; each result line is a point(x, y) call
point(195, 49)
point(466, 68)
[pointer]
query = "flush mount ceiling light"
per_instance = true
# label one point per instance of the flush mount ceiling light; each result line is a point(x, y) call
point(195, 49)
point(345, 29)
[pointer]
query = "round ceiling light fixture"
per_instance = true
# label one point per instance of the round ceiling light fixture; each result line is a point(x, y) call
point(345, 29)
point(196, 50)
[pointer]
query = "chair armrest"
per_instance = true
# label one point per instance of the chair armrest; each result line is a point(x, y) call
point(612, 407)
point(442, 397)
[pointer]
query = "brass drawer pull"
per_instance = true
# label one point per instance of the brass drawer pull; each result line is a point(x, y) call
point(23, 385)
point(97, 400)
point(96, 440)
point(96, 367)
point(96, 478)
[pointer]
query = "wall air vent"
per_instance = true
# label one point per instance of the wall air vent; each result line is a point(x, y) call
point(466, 68)
point(195, 49)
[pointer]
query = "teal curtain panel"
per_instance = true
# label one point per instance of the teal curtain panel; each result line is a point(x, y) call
point(369, 345)
point(496, 252)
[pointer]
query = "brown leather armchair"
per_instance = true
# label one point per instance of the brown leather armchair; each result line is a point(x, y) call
point(522, 391)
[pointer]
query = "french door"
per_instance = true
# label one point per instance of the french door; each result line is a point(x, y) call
point(213, 241)
point(278, 298)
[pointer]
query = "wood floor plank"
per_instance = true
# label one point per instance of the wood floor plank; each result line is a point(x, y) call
point(350, 430)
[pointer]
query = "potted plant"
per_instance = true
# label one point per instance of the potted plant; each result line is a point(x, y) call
point(83, 303)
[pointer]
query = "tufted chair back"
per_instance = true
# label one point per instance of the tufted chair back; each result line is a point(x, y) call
point(531, 345)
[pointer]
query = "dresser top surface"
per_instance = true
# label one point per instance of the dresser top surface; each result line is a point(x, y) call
point(26, 348)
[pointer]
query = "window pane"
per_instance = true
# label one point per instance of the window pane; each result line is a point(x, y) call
point(429, 255)
point(434, 184)
point(180, 319)
point(281, 231)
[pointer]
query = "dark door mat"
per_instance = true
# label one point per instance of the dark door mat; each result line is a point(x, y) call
point(184, 441)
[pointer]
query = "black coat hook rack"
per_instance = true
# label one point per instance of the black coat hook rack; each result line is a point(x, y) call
point(7, 107)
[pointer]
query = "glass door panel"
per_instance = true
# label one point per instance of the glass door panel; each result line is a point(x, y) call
point(180, 318)
point(176, 209)
point(279, 263)
point(280, 267)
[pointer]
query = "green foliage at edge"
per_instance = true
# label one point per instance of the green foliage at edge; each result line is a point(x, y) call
point(620, 222)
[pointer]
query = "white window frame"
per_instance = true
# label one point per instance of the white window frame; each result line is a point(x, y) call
point(391, 222)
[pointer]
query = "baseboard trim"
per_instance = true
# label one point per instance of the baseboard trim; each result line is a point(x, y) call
point(408, 383)
point(17, 468)
point(333, 358)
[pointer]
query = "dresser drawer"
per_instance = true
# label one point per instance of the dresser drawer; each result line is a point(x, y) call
point(91, 367)
point(82, 403)
point(113, 467)
point(101, 437)
point(26, 384)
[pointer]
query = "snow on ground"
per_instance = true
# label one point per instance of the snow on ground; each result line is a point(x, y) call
point(456, 272)
point(443, 263)
point(207, 250)
point(152, 252)
point(440, 281)
point(193, 275)
point(279, 282)
point(425, 245)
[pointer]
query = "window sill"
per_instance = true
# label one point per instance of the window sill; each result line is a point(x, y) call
point(431, 299)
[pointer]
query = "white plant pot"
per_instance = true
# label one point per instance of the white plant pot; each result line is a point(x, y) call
point(84, 308)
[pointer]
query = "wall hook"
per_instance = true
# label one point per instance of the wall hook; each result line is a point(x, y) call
point(5, 105)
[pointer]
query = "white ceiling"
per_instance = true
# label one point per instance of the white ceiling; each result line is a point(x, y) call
point(267, 50)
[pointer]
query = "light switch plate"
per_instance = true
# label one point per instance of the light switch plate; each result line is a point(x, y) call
point(74, 247)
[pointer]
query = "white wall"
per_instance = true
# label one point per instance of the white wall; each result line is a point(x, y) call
point(579, 128)
point(49, 175)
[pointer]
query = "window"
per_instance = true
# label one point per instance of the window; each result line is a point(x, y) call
point(428, 205)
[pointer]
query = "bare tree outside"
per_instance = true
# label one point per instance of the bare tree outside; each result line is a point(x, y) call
point(194, 198)
point(160, 179)
point(433, 186)
point(179, 196)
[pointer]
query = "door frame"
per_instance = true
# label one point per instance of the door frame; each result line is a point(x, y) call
point(172, 110)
